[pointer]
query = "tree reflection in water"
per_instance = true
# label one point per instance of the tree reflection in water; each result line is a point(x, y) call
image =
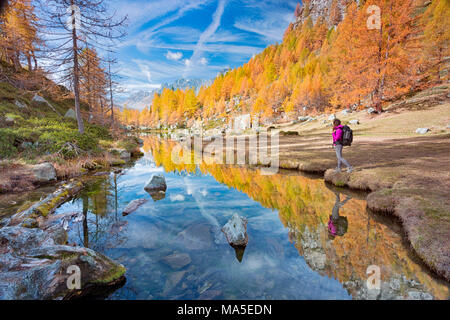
point(304, 207)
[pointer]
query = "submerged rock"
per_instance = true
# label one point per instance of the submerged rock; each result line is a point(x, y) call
point(117, 227)
point(133, 206)
point(177, 260)
point(172, 281)
point(210, 295)
point(44, 172)
point(236, 231)
point(196, 237)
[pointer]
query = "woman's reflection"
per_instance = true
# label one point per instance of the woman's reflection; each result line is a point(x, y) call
point(337, 225)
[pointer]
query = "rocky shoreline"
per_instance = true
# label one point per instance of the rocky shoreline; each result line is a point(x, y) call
point(36, 262)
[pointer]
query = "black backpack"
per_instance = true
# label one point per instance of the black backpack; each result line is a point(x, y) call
point(347, 136)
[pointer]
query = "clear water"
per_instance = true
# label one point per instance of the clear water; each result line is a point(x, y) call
point(290, 254)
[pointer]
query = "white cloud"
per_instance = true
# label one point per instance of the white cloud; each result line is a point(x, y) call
point(174, 55)
point(141, 13)
point(271, 23)
point(203, 61)
point(187, 62)
point(177, 197)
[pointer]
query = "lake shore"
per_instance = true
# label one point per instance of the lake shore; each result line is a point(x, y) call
point(407, 174)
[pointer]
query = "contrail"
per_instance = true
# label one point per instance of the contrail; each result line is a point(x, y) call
point(217, 17)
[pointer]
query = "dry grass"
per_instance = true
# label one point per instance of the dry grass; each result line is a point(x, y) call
point(17, 176)
point(425, 217)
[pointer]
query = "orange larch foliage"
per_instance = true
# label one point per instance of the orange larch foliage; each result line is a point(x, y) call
point(318, 68)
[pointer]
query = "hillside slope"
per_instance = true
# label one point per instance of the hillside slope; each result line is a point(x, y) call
point(37, 125)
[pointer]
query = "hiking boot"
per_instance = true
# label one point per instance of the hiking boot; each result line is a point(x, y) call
point(338, 170)
point(350, 170)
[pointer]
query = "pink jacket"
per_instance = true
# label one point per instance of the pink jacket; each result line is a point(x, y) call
point(337, 133)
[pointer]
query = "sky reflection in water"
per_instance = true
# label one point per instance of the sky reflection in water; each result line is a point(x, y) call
point(290, 254)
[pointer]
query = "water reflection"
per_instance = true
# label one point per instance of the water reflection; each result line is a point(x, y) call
point(338, 225)
point(174, 249)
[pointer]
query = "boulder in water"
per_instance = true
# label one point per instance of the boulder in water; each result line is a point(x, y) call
point(157, 183)
point(133, 206)
point(236, 231)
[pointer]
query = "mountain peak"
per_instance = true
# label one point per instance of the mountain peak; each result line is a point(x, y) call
point(333, 11)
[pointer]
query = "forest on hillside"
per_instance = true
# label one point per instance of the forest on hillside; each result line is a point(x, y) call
point(63, 49)
point(332, 63)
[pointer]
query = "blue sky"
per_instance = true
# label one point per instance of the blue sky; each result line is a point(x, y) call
point(171, 39)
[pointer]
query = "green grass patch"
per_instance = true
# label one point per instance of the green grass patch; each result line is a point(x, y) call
point(36, 137)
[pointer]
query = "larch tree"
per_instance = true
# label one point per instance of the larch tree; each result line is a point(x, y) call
point(375, 64)
point(68, 23)
point(93, 82)
point(345, 79)
point(436, 21)
point(391, 64)
point(19, 38)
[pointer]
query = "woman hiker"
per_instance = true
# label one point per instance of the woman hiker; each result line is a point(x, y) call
point(337, 143)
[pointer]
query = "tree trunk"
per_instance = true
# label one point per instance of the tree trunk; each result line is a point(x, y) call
point(440, 59)
point(35, 61)
point(111, 95)
point(76, 76)
point(30, 68)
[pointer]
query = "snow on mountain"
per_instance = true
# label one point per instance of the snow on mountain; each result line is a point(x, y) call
point(142, 99)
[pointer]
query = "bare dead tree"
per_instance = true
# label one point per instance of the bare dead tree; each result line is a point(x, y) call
point(113, 84)
point(69, 23)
